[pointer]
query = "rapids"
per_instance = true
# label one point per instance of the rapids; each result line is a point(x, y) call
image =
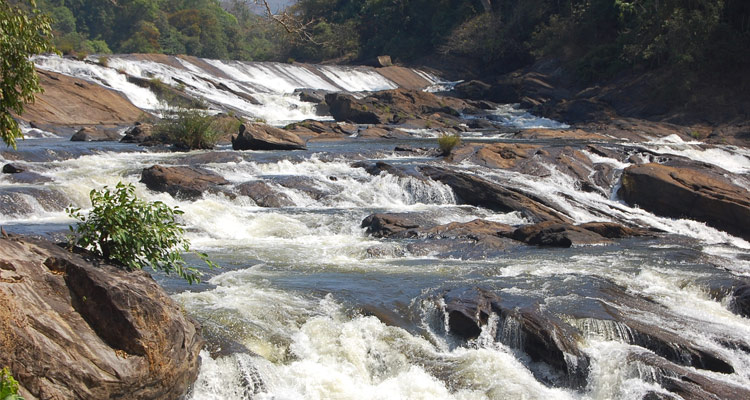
point(323, 311)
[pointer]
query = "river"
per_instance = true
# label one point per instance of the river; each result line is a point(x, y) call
point(321, 310)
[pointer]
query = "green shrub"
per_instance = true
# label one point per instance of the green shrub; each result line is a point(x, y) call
point(8, 386)
point(447, 142)
point(132, 233)
point(188, 129)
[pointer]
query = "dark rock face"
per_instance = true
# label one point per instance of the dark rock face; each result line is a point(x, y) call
point(139, 133)
point(474, 90)
point(688, 192)
point(265, 137)
point(741, 301)
point(557, 235)
point(393, 225)
point(94, 135)
point(122, 335)
point(541, 335)
point(182, 182)
point(12, 169)
point(345, 107)
point(476, 191)
point(264, 195)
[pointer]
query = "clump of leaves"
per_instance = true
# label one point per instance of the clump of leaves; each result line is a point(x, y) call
point(447, 142)
point(188, 129)
point(133, 233)
point(8, 386)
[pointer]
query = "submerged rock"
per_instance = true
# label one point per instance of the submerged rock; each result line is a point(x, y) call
point(266, 137)
point(75, 330)
point(264, 195)
point(12, 169)
point(688, 192)
point(182, 182)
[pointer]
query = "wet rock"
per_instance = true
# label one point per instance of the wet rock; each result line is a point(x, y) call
point(541, 335)
point(420, 151)
point(687, 383)
point(613, 230)
point(557, 234)
point(345, 107)
point(688, 192)
point(376, 168)
point(12, 169)
point(311, 129)
point(122, 335)
point(182, 182)
point(266, 137)
point(394, 225)
point(740, 303)
point(479, 123)
point(212, 157)
point(314, 188)
point(311, 95)
point(29, 178)
point(627, 309)
point(264, 195)
point(139, 133)
point(88, 134)
point(476, 191)
point(382, 132)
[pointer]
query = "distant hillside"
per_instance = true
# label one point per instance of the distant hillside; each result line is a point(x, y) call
point(205, 28)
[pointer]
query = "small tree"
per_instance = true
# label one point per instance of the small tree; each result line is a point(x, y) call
point(188, 129)
point(131, 232)
point(8, 386)
point(21, 35)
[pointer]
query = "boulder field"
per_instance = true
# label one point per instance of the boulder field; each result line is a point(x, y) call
point(73, 327)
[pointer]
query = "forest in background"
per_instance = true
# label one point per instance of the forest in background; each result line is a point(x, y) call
point(695, 40)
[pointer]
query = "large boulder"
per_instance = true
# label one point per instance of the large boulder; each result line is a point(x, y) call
point(557, 234)
point(688, 192)
point(266, 137)
point(75, 330)
point(89, 134)
point(264, 195)
point(12, 169)
point(182, 182)
point(139, 133)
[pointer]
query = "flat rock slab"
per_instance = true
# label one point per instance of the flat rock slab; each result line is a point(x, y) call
point(688, 192)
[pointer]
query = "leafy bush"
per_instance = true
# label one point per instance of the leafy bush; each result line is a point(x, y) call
point(132, 233)
point(8, 386)
point(188, 129)
point(447, 142)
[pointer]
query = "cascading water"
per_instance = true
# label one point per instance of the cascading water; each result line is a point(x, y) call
point(308, 306)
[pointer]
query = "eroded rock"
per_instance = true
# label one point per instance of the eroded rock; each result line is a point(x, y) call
point(266, 137)
point(122, 335)
point(182, 182)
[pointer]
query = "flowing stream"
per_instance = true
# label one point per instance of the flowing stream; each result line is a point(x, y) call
point(321, 310)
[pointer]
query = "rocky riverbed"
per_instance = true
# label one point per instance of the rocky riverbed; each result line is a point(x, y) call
point(536, 259)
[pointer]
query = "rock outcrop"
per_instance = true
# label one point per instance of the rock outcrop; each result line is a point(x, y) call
point(476, 191)
point(688, 192)
point(266, 137)
point(88, 134)
point(74, 330)
point(264, 195)
point(182, 182)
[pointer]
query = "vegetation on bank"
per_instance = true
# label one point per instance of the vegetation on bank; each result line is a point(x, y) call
point(23, 32)
point(131, 232)
point(8, 386)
